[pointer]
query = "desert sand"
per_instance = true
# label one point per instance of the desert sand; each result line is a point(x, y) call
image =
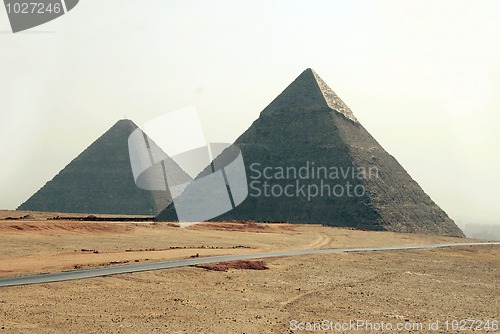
point(413, 288)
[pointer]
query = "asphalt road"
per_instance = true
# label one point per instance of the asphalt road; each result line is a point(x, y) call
point(132, 268)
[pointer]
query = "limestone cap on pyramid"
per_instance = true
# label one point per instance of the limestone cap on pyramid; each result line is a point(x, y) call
point(309, 92)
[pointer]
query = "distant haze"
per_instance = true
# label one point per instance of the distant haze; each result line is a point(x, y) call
point(480, 231)
point(423, 77)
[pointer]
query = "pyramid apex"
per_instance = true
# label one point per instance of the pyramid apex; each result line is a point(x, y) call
point(125, 123)
point(125, 120)
point(309, 92)
point(309, 70)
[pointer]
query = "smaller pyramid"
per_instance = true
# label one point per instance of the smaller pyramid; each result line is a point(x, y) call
point(99, 180)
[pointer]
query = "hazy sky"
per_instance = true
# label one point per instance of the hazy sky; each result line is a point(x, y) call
point(423, 77)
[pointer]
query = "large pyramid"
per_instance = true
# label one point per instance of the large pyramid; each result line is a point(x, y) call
point(99, 180)
point(309, 160)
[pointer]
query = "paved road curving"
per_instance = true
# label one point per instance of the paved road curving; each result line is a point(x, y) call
point(132, 268)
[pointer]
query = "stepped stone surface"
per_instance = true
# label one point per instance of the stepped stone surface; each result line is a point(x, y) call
point(99, 180)
point(308, 126)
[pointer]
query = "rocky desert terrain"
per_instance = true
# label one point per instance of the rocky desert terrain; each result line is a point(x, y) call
point(391, 288)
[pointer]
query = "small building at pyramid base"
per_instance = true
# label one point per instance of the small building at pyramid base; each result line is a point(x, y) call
point(309, 160)
point(99, 181)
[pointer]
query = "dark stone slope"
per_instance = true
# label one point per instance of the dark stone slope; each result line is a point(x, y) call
point(99, 180)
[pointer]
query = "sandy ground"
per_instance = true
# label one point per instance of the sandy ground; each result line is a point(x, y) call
point(41, 246)
point(412, 288)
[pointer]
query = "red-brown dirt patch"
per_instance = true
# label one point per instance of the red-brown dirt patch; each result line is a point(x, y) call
point(239, 264)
